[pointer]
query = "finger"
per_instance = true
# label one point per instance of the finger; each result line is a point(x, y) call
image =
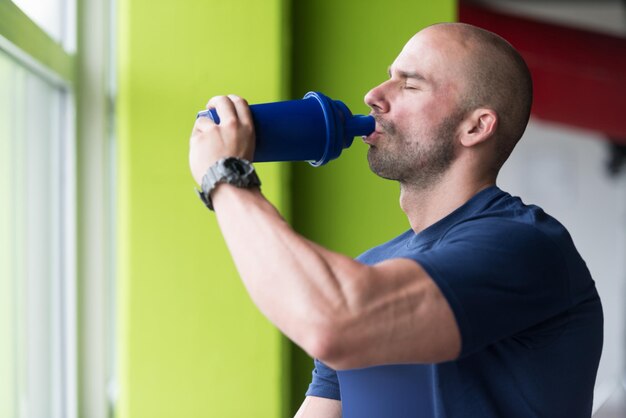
point(211, 103)
point(243, 110)
point(225, 109)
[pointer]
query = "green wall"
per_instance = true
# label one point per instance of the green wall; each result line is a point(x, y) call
point(190, 342)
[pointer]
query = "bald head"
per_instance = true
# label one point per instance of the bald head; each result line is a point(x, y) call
point(493, 75)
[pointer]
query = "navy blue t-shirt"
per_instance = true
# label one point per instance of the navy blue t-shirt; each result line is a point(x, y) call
point(527, 309)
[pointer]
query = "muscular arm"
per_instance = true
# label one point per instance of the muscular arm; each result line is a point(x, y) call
point(342, 312)
point(338, 310)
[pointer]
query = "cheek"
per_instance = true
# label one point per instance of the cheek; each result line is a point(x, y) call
point(416, 121)
point(421, 113)
point(424, 108)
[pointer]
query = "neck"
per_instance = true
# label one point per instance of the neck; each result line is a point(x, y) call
point(425, 205)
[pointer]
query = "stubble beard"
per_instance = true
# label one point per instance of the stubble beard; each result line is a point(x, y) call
point(406, 157)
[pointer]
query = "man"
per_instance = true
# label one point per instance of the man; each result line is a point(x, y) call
point(482, 309)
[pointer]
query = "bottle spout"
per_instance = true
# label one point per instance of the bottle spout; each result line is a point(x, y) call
point(211, 114)
point(360, 125)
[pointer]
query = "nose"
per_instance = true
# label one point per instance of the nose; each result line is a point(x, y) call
point(376, 100)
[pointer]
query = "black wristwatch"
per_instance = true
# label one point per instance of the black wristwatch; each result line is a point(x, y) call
point(231, 170)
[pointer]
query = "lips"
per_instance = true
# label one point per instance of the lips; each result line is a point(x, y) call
point(371, 138)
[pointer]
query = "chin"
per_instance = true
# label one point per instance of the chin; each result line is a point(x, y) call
point(382, 171)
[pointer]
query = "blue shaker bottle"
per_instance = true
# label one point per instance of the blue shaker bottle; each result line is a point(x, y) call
point(314, 129)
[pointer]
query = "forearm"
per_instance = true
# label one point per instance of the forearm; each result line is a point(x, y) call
point(302, 288)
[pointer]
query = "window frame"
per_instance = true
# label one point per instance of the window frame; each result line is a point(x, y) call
point(32, 46)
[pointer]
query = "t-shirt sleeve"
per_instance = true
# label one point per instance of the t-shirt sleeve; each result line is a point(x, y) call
point(500, 278)
point(324, 383)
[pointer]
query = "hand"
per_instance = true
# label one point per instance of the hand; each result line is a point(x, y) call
point(233, 137)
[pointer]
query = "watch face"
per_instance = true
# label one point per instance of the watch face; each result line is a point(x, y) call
point(236, 166)
point(235, 171)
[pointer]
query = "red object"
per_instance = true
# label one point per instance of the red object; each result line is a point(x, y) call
point(579, 76)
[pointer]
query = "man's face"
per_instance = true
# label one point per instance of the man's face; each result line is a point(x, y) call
point(417, 112)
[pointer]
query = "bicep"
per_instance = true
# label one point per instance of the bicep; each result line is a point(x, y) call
point(398, 315)
point(316, 407)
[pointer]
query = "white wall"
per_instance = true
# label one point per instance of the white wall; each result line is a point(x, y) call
point(563, 170)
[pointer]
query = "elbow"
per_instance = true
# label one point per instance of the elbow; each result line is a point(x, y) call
point(332, 344)
point(325, 345)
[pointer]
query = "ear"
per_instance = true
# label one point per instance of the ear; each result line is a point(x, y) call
point(479, 126)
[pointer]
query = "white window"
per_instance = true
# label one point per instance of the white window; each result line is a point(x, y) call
point(42, 189)
point(36, 192)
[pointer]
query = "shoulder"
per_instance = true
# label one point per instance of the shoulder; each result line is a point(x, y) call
point(514, 225)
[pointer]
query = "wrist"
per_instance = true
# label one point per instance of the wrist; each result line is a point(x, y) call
point(236, 172)
point(225, 192)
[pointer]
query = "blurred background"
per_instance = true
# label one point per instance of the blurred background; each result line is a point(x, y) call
point(118, 297)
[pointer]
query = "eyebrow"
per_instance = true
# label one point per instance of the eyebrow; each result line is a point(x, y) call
point(408, 74)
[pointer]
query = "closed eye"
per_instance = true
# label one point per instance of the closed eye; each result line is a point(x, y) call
point(412, 80)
